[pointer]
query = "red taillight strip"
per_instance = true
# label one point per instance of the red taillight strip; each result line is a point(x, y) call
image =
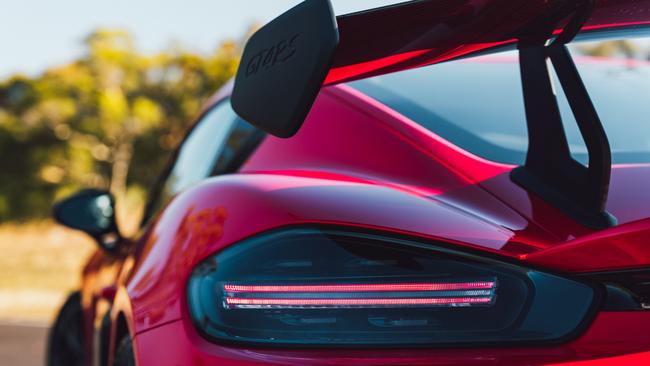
point(402, 287)
point(358, 302)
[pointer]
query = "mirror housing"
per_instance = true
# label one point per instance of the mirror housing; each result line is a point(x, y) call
point(93, 212)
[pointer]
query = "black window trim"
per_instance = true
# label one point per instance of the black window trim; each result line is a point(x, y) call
point(238, 160)
point(241, 155)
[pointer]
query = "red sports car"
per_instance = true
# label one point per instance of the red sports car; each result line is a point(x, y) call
point(326, 209)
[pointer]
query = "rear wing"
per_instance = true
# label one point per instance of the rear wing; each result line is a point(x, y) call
point(286, 63)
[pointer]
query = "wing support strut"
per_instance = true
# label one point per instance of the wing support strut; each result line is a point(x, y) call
point(549, 171)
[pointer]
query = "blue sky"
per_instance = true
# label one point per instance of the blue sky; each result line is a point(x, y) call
point(36, 34)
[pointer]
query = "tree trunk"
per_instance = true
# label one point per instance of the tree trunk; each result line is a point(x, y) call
point(120, 168)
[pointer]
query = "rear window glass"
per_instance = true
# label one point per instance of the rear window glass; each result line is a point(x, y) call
point(477, 104)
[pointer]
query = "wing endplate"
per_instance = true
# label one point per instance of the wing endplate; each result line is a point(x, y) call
point(284, 66)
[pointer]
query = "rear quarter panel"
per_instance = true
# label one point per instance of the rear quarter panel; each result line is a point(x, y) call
point(223, 211)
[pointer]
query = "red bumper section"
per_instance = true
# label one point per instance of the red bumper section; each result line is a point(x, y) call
point(614, 338)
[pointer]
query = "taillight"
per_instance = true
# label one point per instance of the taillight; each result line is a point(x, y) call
point(320, 287)
point(393, 295)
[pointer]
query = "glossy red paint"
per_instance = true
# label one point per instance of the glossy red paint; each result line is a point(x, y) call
point(376, 192)
point(444, 193)
point(621, 247)
point(188, 225)
point(177, 343)
point(108, 293)
point(357, 163)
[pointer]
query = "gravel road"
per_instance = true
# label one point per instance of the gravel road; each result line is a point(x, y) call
point(22, 345)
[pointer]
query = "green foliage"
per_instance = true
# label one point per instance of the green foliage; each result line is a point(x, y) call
point(113, 111)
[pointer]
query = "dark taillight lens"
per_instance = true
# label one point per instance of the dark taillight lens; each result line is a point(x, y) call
point(315, 287)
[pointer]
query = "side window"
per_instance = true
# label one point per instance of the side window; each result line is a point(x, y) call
point(241, 142)
point(197, 157)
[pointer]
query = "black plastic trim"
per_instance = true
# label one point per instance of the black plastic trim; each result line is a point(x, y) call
point(550, 171)
point(627, 290)
point(284, 66)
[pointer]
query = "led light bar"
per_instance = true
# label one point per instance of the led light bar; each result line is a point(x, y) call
point(451, 294)
point(364, 287)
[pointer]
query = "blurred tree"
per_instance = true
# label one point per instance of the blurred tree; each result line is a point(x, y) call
point(622, 47)
point(107, 120)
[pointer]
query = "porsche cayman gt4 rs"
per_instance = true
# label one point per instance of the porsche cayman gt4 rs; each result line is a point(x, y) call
point(341, 203)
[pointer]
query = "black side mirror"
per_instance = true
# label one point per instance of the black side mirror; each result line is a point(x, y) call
point(93, 212)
